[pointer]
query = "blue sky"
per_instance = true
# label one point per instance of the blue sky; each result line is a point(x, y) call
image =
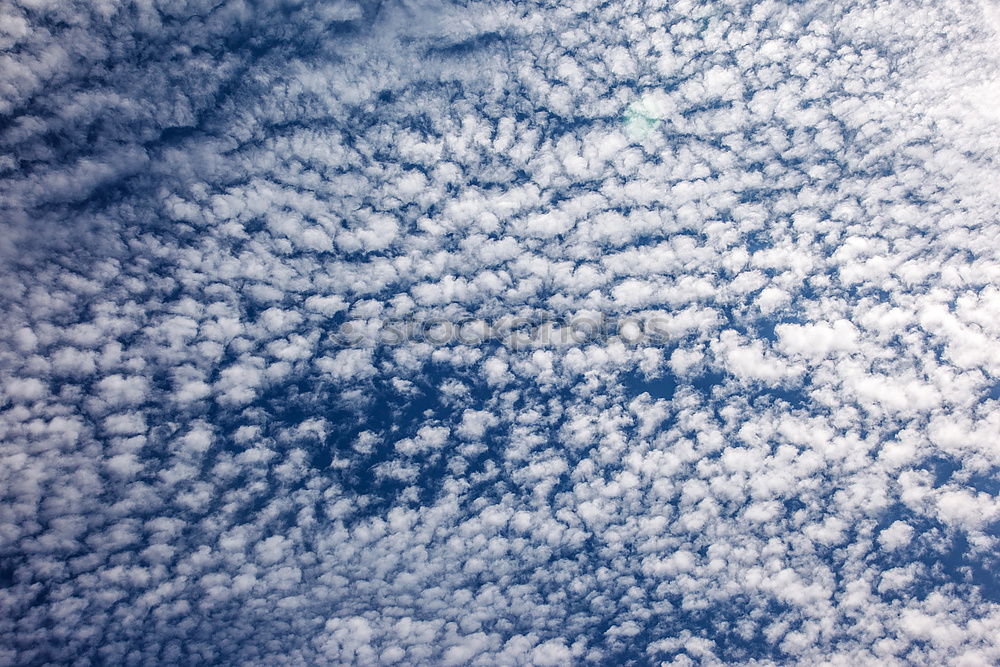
point(499, 333)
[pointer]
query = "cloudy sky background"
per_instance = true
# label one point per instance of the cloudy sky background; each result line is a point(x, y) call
point(797, 464)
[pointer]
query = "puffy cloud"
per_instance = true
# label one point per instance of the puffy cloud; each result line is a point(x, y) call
point(732, 393)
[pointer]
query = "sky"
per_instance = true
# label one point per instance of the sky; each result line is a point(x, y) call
point(485, 332)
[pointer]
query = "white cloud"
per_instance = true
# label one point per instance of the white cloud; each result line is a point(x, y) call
point(195, 197)
point(896, 535)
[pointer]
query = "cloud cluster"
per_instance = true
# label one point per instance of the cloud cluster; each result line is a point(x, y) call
point(198, 198)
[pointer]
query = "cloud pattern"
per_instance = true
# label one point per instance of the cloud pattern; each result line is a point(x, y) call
point(802, 467)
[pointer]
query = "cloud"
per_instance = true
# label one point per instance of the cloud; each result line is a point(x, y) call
point(214, 211)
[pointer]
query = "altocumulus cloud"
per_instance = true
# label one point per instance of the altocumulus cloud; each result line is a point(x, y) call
point(800, 467)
